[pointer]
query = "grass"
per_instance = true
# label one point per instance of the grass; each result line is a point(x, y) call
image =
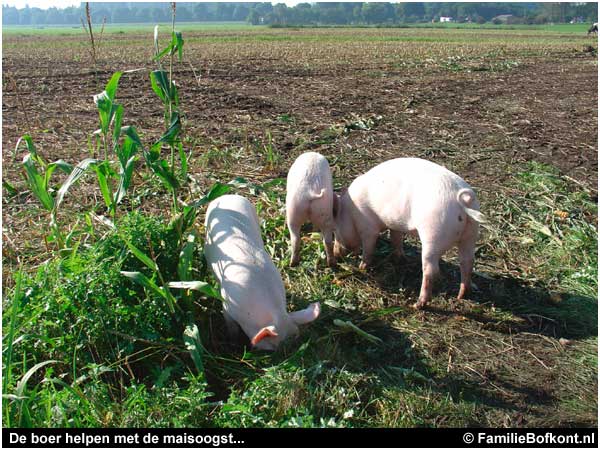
point(114, 357)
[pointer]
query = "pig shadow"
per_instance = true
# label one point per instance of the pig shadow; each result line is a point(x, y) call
point(536, 309)
point(324, 350)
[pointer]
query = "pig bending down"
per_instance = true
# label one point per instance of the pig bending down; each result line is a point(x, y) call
point(309, 198)
point(407, 195)
point(250, 283)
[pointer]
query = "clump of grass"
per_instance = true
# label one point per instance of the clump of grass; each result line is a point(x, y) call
point(559, 232)
point(270, 152)
point(82, 322)
point(549, 226)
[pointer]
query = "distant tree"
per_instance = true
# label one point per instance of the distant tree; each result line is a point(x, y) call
point(24, 16)
point(183, 14)
point(10, 15)
point(240, 12)
point(415, 9)
point(377, 12)
point(121, 15)
point(143, 15)
point(279, 14)
point(200, 12)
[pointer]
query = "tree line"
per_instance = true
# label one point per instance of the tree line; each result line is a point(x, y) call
point(338, 13)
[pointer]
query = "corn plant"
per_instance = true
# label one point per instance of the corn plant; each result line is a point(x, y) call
point(37, 174)
point(110, 133)
point(166, 90)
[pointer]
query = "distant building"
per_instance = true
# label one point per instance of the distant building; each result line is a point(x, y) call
point(446, 19)
point(502, 18)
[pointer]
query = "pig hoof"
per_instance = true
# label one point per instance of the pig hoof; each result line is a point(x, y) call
point(362, 266)
point(418, 305)
point(294, 262)
point(332, 263)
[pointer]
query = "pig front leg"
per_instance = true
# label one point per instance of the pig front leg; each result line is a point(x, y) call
point(431, 267)
point(233, 329)
point(397, 238)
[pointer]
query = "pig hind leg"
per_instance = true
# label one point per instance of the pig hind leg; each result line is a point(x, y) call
point(328, 242)
point(294, 223)
point(466, 256)
point(431, 268)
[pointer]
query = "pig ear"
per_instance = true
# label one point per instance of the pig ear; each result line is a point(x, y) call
point(263, 333)
point(306, 315)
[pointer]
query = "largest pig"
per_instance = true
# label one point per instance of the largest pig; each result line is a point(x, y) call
point(407, 195)
point(250, 283)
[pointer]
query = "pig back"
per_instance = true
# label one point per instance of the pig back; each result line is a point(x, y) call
point(232, 217)
point(404, 192)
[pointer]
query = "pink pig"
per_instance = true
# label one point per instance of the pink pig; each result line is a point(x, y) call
point(309, 198)
point(408, 195)
point(250, 283)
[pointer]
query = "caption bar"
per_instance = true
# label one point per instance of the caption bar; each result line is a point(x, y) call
point(307, 438)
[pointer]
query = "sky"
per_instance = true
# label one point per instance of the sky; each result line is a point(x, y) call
point(45, 4)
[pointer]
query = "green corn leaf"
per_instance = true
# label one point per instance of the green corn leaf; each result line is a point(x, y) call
point(199, 286)
point(132, 134)
point(22, 384)
point(103, 173)
point(50, 168)
point(158, 79)
point(169, 49)
point(146, 282)
point(178, 38)
point(30, 148)
point(186, 257)
point(126, 151)
point(183, 158)
point(171, 134)
point(148, 262)
point(77, 172)
point(160, 167)
point(118, 118)
point(36, 183)
point(105, 107)
point(191, 338)
point(111, 86)
point(217, 190)
point(125, 179)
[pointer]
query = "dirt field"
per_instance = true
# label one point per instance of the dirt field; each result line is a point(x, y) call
point(488, 105)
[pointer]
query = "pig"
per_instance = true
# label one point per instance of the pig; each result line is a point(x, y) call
point(309, 198)
point(410, 195)
point(251, 285)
